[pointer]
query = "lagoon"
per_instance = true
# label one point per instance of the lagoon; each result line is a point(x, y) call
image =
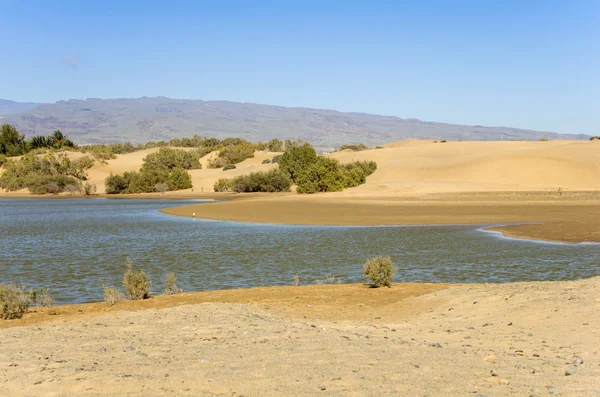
point(73, 245)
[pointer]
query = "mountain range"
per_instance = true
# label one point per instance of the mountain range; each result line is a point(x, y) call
point(149, 119)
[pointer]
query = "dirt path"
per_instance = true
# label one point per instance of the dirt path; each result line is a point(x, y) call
point(482, 340)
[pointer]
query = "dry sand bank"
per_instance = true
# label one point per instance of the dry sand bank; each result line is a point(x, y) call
point(572, 219)
point(489, 340)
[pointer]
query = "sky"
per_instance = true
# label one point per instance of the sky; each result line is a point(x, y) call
point(526, 64)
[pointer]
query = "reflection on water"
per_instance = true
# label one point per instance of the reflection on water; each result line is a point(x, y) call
point(72, 245)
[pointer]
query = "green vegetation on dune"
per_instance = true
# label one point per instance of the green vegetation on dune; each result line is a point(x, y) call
point(45, 174)
point(167, 166)
point(301, 165)
point(268, 182)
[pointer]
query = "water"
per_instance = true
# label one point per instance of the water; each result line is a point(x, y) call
point(72, 245)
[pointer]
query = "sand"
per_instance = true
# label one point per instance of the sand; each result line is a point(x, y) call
point(517, 339)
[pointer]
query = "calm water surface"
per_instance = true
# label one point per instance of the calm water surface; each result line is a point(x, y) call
point(71, 245)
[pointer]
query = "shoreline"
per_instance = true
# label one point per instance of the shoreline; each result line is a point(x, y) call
point(524, 216)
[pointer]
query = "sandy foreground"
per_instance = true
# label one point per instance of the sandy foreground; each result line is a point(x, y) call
point(522, 339)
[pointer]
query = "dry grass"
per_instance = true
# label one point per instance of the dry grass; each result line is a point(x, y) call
point(380, 270)
point(136, 282)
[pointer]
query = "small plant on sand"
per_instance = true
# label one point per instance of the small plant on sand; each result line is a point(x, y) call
point(380, 270)
point(171, 284)
point(112, 295)
point(296, 279)
point(14, 301)
point(135, 282)
point(41, 297)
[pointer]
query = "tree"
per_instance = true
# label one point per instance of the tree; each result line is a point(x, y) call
point(59, 140)
point(11, 142)
point(275, 145)
point(179, 179)
point(298, 157)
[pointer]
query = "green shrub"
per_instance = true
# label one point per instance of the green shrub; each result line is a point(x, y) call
point(356, 148)
point(275, 145)
point(380, 270)
point(275, 159)
point(112, 295)
point(324, 175)
point(116, 184)
point(11, 142)
point(229, 167)
point(14, 301)
point(171, 284)
point(217, 162)
point(3, 159)
point(270, 181)
point(179, 179)
point(297, 159)
point(223, 185)
point(266, 161)
point(237, 153)
point(41, 175)
point(167, 159)
point(136, 282)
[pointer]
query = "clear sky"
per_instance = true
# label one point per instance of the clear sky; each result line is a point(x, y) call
point(528, 64)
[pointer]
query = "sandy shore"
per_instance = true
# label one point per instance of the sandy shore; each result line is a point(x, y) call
point(517, 339)
point(572, 217)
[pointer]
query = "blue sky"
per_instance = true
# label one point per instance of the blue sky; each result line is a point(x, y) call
point(528, 64)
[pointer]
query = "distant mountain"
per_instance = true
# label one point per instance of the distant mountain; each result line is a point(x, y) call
point(11, 107)
point(144, 119)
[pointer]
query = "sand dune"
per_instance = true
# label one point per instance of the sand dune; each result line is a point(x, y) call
point(426, 167)
point(203, 179)
point(422, 167)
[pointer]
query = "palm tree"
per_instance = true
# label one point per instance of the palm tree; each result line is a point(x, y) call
point(59, 140)
point(38, 142)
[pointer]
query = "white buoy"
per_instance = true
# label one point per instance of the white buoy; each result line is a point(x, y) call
point(193, 215)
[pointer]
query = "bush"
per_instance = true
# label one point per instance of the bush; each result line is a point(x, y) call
point(275, 159)
point(266, 161)
point(217, 162)
point(14, 301)
point(41, 175)
point(115, 184)
point(296, 159)
point(275, 145)
point(229, 167)
point(171, 284)
point(324, 175)
point(167, 166)
point(167, 159)
point(592, 138)
point(236, 153)
point(41, 297)
point(112, 295)
point(136, 282)
point(380, 271)
point(88, 189)
point(270, 181)
point(222, 185)
point(179, 179)
point(356, 148)
point(162, 188)
point(3, 159)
